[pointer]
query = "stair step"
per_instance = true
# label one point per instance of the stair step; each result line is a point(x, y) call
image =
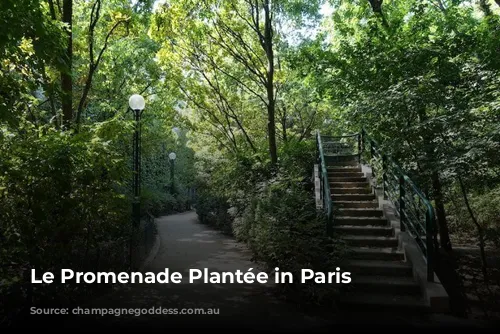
point(378, 302)
point(370, 241)
point(384, 254)
point(333, 178)
point(361, 221)
point(357, 212)
point(392, 284)
point(349, 169)
point(365, 230)
point(333, 161)
point(383, 268)
point(366, 190)
point(353, 197)
point(349, 184)
point(354, 204)
point(344, 174)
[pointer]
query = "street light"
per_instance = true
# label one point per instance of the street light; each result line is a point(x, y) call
point(172, 157)
point(136, 103)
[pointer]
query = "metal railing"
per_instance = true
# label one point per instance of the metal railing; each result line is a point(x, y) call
point(414, 210)
point(341, 146)
point(324, 185)
point(143, 240)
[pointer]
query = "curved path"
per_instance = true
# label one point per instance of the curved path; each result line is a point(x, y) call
point(187, 244)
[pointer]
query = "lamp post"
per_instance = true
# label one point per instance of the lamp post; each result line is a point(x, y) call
point(136, 103)
point(172, 157)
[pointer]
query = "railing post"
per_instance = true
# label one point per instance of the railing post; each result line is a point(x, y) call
point(329, 224)
point(372, 154)
point(429, 240)
point(359, 147)
point(402, 193)
point(362, 141)
point(320, 171)
point(384, 175)
point(317, 148)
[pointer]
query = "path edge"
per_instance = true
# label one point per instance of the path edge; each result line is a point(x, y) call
point(154, 250)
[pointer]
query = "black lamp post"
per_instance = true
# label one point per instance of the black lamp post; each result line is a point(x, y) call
point(172, 157)
point(136, 103)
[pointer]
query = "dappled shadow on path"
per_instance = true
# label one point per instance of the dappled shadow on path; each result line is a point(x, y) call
point(187, 244)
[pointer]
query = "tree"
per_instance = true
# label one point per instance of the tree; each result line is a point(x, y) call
point(228, 45)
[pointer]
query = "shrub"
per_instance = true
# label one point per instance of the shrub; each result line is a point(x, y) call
point(58, 209)
point(283, 230)
point(273, 211)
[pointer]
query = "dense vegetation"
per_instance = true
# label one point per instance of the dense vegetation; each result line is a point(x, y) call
point(236, 89)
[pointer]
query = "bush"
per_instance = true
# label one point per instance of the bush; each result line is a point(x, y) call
point(213, 210)
point(273, 211)
point(58, 209)
point(486, 207)
point(160, 203)
point(283, 230)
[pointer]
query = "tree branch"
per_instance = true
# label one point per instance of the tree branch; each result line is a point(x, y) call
point(94, 64)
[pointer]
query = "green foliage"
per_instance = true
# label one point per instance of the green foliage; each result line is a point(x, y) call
point(283, 230)
point(273, 212)
point(58, 209)
point(423, 82)
point(422, 77)
point(486, 206)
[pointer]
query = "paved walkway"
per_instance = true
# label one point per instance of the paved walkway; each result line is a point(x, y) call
point(187, 244)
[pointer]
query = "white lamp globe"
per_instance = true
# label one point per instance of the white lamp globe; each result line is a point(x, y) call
point(172, 156)
point(136, 102)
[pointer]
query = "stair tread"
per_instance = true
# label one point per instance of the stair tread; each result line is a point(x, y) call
point(340, 172)
point(383, 299)
point(361, 227)
point(360, 218)
point(370, 196)
point(384, 280)
point(342, 167)
point(367, 237)
point(347, 202)
point(378, 264)
point(361, 178)
point(385, 250)
point(355, 195)
point(359, 209)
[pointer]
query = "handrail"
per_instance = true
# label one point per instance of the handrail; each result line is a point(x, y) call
point(325, 186)
point(343, 136)
point(415, 210)
point(347, 145)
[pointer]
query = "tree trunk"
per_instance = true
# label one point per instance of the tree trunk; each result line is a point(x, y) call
point(66, 74)
point(480, 230)
point(429, 148)
point(485, 7)
point(377, 9)
point(271, 106)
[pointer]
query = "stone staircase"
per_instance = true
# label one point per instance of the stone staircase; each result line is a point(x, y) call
point(382, 277)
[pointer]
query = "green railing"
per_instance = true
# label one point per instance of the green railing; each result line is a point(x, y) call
point(414, 210)
point(325, 193)
point(336, 147)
